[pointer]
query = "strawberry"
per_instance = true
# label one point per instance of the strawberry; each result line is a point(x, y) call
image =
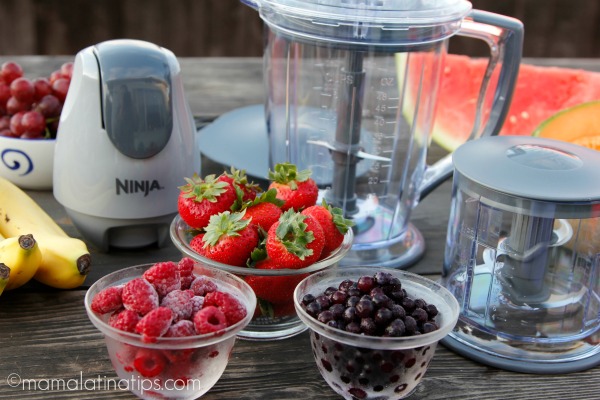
point(238, 177)
point(296, 188)
point(274, 289)
point(201, 198)
point(265, 210)
point(229, 239)
point(295, 240)
point(333, 223)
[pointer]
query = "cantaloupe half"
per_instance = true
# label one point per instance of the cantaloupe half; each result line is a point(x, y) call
point(540, 92)
point(579, 124)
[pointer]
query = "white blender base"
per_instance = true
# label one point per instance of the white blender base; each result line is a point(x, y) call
point(122, 233)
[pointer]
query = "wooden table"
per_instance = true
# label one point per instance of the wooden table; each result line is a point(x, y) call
point(45, 333)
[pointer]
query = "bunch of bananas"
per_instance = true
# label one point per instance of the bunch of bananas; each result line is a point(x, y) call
point(32, 245)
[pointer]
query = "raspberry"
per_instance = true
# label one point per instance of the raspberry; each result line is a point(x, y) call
point(140, 296)
point(203, 285)
point(155, 323)
point(197, 303)
point(186, 272)
point(234, 311)
point(181, 328)
point(125, 320)
point(108, 300)
point(209, 319)
point(179, 301)
point(149, 362)
point(164, 276)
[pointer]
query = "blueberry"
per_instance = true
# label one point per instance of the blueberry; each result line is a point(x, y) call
point(365, 284)
point(329, 291)
point(339, 297)
point(383, 316)
point(396, 328)
point(349, 315)
point(382, 278)
point(353, 327)
point(367, 326)
point(365, 308)
point(398, 311)
point(346, 284)
point(313, 309)
point(352, 301)
point(308, 298)
point(432, 310)
point(323, 302)
point(337, 310)
point(420, 315)
point(410, 324)
point(325, 316)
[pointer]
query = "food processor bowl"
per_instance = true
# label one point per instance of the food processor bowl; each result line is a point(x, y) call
point(523, 254)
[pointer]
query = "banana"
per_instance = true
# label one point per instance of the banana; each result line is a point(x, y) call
point(66, 261)
point(23, 256)
point(4, 274)
point(21, 215)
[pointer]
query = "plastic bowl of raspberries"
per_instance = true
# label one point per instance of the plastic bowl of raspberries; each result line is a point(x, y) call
point(271, 238)
point(170, 327)
point(374, 332)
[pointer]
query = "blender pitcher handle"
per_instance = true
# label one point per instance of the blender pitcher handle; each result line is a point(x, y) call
point(504, 35)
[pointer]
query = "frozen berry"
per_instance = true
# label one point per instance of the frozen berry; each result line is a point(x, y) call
point(125, 320)
point(140, 296)
point(179, 301)
point(209, 319)
point(164, 276)
point(149, 362)
point(203, 285)
point(107, 300)
point(234, 311)
point(197, 303)
point(186, 272)
point(181, 328)
point(155, 323)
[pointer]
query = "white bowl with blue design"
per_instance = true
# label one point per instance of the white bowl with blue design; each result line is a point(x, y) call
point(27, 162)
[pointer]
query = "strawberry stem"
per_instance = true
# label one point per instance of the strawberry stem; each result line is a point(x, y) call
point(292, 233)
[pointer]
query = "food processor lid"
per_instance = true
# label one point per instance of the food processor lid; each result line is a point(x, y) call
point(376, 22)
point(506, 168)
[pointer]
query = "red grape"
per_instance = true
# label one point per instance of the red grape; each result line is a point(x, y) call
point(49, 106)
point(67, 70)
point(4, 93)
point(22, 89)
point(8, 133)
point(55, 75)
point(15, 123)
point(10, 71)
point(4, 122)
point(33, 123)
point(13, 106)
point(60, 87)
point(42, 88)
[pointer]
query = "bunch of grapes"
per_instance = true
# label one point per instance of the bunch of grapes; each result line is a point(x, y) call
point(30, 109)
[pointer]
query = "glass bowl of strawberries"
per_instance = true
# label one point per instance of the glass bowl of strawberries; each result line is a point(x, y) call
point(170, 327)
point(271, 238)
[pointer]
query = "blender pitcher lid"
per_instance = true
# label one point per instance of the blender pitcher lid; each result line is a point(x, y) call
point(372, 22)
point(507, 170)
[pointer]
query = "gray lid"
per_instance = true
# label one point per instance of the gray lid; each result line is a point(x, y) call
point(373, 22)
point(530, 168)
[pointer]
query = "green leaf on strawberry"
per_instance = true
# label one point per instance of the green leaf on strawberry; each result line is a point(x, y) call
point(292, 233)
point(200, 189)
point(343, 224)
point(288, 174)
point(225, 223)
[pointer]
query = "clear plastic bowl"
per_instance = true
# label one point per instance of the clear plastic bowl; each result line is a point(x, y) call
point(370, 367)
point(179, 367)
point(271, 321)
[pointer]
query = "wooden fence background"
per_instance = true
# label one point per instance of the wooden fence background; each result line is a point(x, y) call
point(554, 28)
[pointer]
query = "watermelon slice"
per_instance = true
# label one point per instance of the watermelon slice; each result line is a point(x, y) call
point(540, 92)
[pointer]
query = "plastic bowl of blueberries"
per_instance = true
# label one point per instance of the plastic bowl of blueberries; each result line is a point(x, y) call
point(374, 331)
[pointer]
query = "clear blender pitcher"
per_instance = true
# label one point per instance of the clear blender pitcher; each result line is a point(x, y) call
point(351, 95)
